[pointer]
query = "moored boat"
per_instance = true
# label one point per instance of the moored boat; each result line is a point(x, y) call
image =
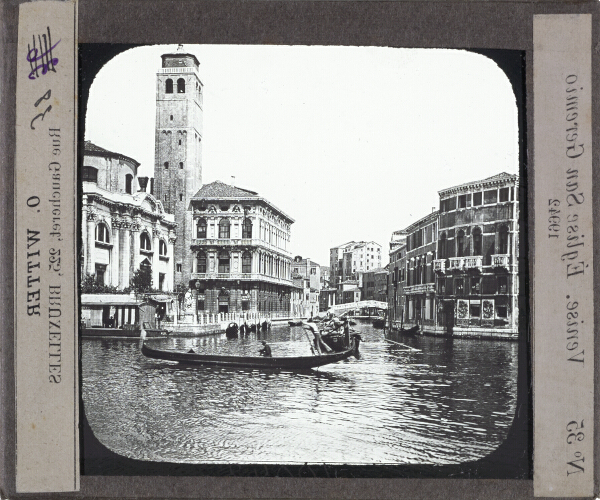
point(409, 331)
point(295, 323)
point(379, 323)
point(290, 363)
point(232, 330)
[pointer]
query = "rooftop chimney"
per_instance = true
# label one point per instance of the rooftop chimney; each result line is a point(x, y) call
point(143, 181)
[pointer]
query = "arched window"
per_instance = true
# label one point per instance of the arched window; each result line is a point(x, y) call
point(102, 233)
point(162, 248)
point(442, 246)
point(146, 269)
point(181, 165)
point(145, 242)
point(181, 86)
point(477, 241)
point(90, 174)
point(166, 164)
point(246, 262)
point(247, 229)
point(201, 229)
point(460, 244)
point(224, 228)
point(128, 183)
point(201, 262)
point(503, 243)
point(169, 86)
point(224, 262)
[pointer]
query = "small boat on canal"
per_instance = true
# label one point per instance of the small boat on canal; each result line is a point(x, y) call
point(409, 331)
point(295, 323)
point(231, 332)
point(289, 363)
point(337, 341)
point(379, 323)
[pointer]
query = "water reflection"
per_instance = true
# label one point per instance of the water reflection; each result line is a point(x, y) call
point(407, 400)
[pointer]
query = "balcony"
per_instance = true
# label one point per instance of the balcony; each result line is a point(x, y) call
point(456, 263)
point(439, 266)
point(223, 242)
point(501, 261)
point(198, 243)
point(473, 263)
point(422, 288)
point(241, 277)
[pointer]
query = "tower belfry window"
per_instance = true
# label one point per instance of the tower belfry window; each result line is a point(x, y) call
point(169, 86)
point(166, 165)
point(180, 164)
point(181, 86)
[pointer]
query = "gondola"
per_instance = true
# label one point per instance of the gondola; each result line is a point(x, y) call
point(337, 342)
point(295, 323)
point(232, 330)
point(379, 323)
point(409, 331)
point(290, 363)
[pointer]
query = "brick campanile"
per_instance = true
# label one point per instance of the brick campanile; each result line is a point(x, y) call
point(178, 149)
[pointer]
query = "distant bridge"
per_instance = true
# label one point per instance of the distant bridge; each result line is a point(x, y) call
point(363, 304)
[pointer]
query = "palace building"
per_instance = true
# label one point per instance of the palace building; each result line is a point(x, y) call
point(419, 279)
point(455, 271)
point(477, 285)
point(123, 229)
point(240, 253)
point(396, 279)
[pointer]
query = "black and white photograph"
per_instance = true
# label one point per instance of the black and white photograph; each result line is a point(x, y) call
point(302, 256)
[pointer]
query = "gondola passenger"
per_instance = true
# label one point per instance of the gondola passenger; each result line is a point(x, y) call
point(266, 350)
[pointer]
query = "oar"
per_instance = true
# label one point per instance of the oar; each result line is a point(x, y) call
point(403, 345)
point(309, 342)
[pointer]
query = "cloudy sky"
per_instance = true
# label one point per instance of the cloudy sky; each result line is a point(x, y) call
point(351, 142)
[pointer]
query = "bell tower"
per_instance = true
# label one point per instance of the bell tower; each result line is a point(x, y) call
point(178, 148)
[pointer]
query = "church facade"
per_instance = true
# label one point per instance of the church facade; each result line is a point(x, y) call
point(123, 227)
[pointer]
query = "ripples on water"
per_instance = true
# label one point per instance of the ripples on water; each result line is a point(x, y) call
point(443, 401)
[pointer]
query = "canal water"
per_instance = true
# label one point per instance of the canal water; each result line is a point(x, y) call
point(407, 400)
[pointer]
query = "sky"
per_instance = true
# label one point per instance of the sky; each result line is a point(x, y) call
point(352, 142)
